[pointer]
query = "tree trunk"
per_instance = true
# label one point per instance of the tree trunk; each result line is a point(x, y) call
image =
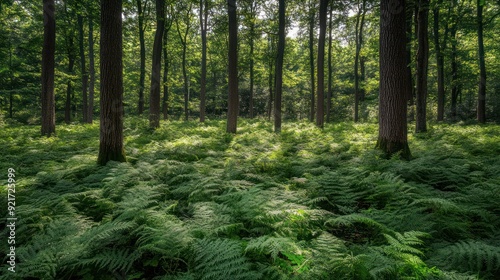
point(394, 80)
point(183, 39)
point(422, 65)
point(48, 54)
point(251, 43)
point(440, 65)
point(203, 78)
point(454, 71)
point(154, 98)
point(69, 86)
point(270, 78)
point(311, 58)
point(232, 112)
point(84, 73)
point(359, 41)
point(481, 102)
point(330, 67)
point(165, 72)
point(279, 66)
point(320, 117)
point(140, 13)
point(111, 124)
point(90, 113)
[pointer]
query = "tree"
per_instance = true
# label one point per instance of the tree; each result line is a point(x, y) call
point(48, 63)
point(320, 117)
point(330, 67)
point(140, 12)
point(279, 67)
point(111, 124)
point(392, 136)
point(439, 64)
point(168, 24)
point(183, 39)
point(422, 65)
point(360, 20)
point(312, 26)
point(154, 98)
point(203, 78)
point(84, 74)
point(481, 102)
point(233, 101)
point(90, 108)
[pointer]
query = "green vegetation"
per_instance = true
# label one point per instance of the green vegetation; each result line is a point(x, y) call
point(196, 203)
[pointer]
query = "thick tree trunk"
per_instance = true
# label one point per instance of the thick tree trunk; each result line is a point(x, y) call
point(48, 54)
point(481, 102)
point(279, 66)
point(203, 78)
point(90, 113)
point(320, 117)
point(330, 67)
point(84, 73)
point(394, 80)
point(140, 13)
point(154, 97)
point(111, 124)
point(311, 59)
point(232, 112)
point(440, 66)
point(422, 66)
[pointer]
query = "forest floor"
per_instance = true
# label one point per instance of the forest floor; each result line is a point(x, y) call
point(193, 202)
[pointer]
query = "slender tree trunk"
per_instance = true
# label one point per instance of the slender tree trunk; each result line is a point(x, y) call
point(48, 54)
point(154, 98)
point(140, 12)
point(69, 86)
point(311, 58)
point(111, 124)
point(232, 112)
point(203, 78)
point(454, 71)
point(84, 73)
point(320, 117)
point(183, 38)
point(440, 65)
point(394, 80)
point(165, 73)
point(359, 41)
point(251, 43)
point(422, 65)
point(270, 78)
point(279, 66)
point(330, 67)
point(481, 102)
point(90, 113)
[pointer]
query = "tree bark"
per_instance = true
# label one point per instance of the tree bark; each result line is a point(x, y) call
point(440, 65)
point(84, 73)
point(183, 38)
point(422, 66)
point(154, 98)
point(279, 66)
point(232, 112)
point(166, 66)
point(330, 67)
point(359, 41)
point(311, 57)
point(48, 55)
point(394, 80)
point(203, 78)
point(69, 86)
point(481, 102)
point(320, 117)
point(140, 13)
point(111, 124)
point(90, 113)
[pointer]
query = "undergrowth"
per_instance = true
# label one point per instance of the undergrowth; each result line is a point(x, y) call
point(196, 203)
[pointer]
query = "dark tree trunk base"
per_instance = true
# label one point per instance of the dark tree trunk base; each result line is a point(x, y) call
point(392, 147)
